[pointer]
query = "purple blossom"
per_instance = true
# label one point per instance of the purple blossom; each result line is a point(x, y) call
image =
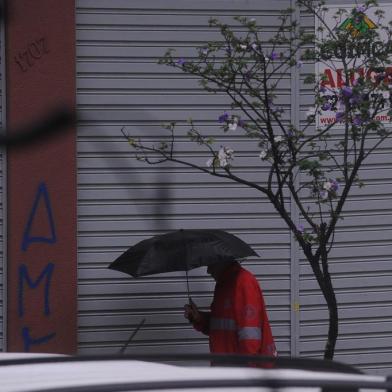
point(334, 185)
point(339, 116)
point(326, 106)
point(223, 117)
point(355, 100)
point(241, 123)
point(276, 109)
point(322, 89)
point(180, 62)
point(360, 8)
point(274, 56)
point(357, 120)
point(248, 75)
point(299, 64)
point(347, 91)
point(269, 101)
point(300, 228)
point(380, 77)
point(324, 194)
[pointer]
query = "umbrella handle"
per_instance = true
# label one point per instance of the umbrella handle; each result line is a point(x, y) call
point(187, 286)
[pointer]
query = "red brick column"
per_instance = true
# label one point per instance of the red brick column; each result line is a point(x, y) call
point(41, 179)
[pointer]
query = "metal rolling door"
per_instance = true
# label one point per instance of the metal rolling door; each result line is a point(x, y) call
point(2, 211)
point(121, 200)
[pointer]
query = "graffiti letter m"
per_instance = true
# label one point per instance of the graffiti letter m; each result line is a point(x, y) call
point(24, 276)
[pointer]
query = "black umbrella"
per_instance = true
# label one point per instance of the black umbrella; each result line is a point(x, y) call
point(181, 250)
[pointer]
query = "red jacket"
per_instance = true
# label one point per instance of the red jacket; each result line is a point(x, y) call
point(238, 321)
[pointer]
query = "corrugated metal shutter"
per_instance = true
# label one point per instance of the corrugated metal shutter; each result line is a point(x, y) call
point(121, 200)
point(2, 223)
point(361, 267)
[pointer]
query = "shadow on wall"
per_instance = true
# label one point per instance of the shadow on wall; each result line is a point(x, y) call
point(162, 195)
point(56, 121)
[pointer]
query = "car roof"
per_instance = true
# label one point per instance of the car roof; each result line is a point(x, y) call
point(108, 374)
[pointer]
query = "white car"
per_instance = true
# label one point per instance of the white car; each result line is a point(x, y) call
point(57, 373)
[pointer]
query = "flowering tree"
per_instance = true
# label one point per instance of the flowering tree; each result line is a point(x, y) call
point(318, 164)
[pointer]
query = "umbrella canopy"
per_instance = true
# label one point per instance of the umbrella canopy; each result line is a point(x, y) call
point(181, 250)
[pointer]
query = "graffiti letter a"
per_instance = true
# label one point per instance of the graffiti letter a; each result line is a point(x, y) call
point(28, 237)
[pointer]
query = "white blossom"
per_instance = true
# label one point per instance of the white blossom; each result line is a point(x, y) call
point(327, 186)
point(225, 154)
point(263, 154)
point(342, 106)
point(233, 123)
point(331, 186)
point(210, 162)
point(278, 139)
point(311, 112)
point(243, 47)
point(233, 126)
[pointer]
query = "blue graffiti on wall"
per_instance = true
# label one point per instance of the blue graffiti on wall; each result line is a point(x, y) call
point(46, 274)
point(24, 276)
point(28, 239)
point(28, 341)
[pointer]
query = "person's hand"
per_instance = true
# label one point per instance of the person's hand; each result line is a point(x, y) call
point(191, 312)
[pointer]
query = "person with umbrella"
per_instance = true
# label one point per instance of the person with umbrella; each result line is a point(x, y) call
point(237, 322)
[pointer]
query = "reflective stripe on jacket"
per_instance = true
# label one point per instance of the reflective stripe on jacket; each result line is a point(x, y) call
point(238, 321)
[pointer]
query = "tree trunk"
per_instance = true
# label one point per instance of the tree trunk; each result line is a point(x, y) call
point(333, 327)
point(324, 281)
